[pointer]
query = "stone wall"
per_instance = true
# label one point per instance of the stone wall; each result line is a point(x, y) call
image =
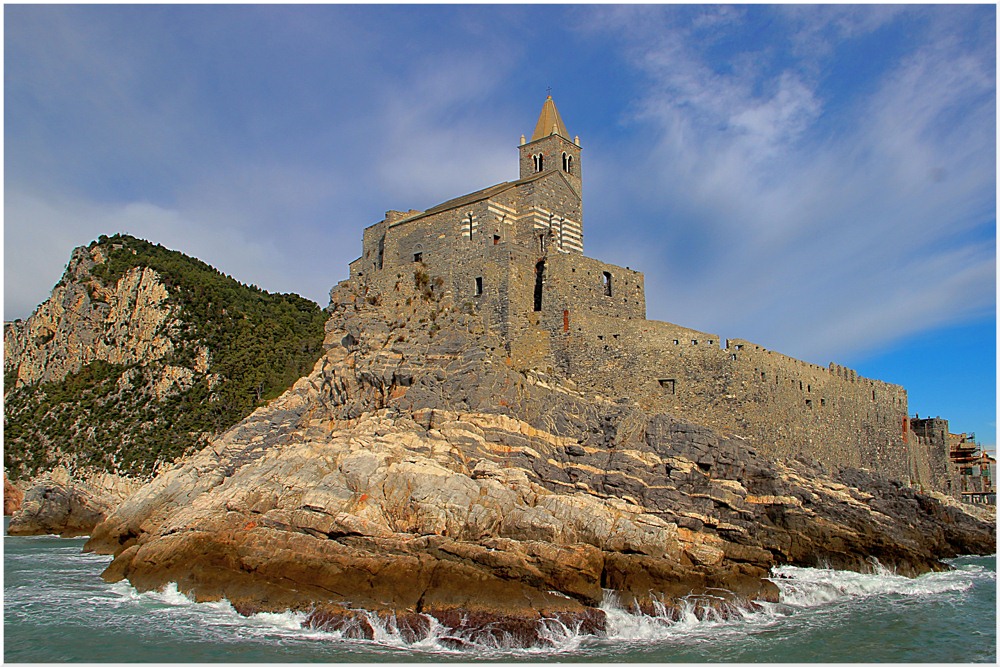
point(933, 436)
point(514, 254)
point(551, 148)
point(782, 406)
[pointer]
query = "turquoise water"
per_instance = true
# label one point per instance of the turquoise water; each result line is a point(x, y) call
point(57, 609)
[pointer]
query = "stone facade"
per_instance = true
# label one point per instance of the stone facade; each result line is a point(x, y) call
point(513, 253)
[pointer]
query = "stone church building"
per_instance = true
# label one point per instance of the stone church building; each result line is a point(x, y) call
point(513, 252)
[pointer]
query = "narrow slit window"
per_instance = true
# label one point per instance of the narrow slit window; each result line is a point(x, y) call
point(607, 283)
point(539, 281)
point(479, 286)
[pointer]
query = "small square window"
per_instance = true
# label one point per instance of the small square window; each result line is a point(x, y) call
point(418, 257)
point(669, 385)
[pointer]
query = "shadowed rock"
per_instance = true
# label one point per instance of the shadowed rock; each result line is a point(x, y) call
point(414, 473)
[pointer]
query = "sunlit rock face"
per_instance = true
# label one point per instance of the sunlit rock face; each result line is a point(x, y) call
point(415, 472)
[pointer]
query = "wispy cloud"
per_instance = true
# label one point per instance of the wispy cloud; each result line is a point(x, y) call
point(811, 228)
point(266, 169)
point(771, 184)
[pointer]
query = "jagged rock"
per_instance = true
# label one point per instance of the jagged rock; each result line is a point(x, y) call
point(57, 504)
point(84, 321)
point(425, 475)
point(139, 354)
point(12, 497)
point(67, 510)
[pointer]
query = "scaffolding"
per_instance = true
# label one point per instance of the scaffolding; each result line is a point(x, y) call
point(976, 468)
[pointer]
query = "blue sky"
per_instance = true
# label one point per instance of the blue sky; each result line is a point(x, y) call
point(820, 180)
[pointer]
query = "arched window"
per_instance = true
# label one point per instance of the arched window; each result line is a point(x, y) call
point(539, 162)
point(607, 284)
point(567, 162)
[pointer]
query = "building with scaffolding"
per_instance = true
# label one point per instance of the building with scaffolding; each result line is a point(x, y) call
point(963, 468)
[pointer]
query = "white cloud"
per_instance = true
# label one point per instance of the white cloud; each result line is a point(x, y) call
point(41, 231)
point(812, 230)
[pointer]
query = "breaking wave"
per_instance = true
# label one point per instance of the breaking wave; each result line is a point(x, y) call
point(809, 598)
point(57, 608)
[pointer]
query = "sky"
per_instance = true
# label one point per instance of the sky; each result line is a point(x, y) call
point(819, 180)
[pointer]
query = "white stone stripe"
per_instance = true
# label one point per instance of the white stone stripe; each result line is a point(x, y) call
point(501, 208)
point(464, 222)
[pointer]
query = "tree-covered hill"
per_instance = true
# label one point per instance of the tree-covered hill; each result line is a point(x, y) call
point(216, 350)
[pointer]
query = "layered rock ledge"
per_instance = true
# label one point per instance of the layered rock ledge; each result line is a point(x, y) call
point(57, 503)
point(415, 473)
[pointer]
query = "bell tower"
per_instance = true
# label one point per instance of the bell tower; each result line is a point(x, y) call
point(551, 148)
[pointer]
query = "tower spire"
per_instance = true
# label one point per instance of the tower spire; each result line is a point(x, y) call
point(549, 122)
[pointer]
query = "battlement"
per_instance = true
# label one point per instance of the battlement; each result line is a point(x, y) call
point(513, 253)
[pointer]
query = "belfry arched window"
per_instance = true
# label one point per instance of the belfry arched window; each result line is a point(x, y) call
point(567, 160)
point(539, 162)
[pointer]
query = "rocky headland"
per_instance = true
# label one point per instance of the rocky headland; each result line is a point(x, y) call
point(416, 473)
point(139, 355)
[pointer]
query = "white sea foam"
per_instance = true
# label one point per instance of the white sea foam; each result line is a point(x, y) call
point(802, 591)
point(811, 587)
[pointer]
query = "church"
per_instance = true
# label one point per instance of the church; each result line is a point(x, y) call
point(513, 253)
point(514, 250)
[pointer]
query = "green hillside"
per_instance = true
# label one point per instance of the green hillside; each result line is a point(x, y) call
point(104, 416)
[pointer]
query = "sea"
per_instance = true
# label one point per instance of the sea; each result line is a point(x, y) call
point(56, 608)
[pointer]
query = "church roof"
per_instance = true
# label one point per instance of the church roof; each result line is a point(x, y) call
point(476, 196)
point(549, 122)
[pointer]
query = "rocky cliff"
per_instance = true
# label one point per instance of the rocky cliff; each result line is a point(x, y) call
point(12, 497)
point(130, 322)
point(140, 353)
point(415, 472)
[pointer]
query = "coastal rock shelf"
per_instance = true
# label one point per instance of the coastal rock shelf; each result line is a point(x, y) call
point(415, 472)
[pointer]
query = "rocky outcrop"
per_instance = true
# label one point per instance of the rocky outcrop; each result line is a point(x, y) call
point(12, 497)
point(83, 321)
point(140, 354)
point(57, 504)
point(415, 473)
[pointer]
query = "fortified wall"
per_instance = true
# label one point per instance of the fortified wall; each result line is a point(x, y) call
point(513, 252)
